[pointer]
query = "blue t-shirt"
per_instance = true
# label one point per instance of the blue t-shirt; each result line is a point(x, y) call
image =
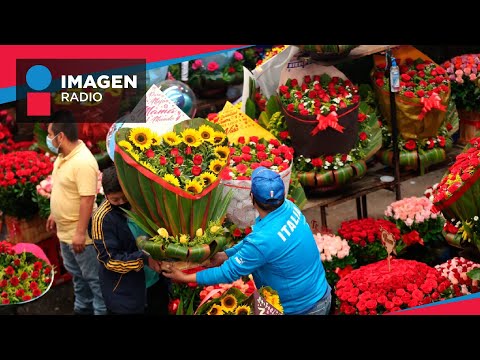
point(280, 252)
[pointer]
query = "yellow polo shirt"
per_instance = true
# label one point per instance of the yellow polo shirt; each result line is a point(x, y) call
point(74, 176)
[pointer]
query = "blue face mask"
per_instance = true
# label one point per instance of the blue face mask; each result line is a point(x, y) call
point(50, 145)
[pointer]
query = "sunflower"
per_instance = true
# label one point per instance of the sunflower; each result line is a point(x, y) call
point(134, 155)
point(275, 301)
point(243, 310)
point(125, 144)
point(215, 310)
point(156, 139)
point(171, 179)
point(222, 152)
point(229, 302)
point(218, 137)
point(193, 186)
point(148, 166)
point(171, 138)
point(206, 133)
point(192, 137)
point(141, 137)
point(217, 165)
point(208, 178)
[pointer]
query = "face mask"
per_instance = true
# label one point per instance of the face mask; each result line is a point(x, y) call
point(125, 206)
point(50, 145)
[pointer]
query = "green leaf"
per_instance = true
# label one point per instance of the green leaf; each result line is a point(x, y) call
point(250, 109)
point(474, 274)
point(180, 308)
point(176, 251)
point(190, 305)
point(140, 222)
point(199, 253)
point(264, 120)
point(273, 106)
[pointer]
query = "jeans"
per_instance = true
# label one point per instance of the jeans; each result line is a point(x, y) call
point(84, 268)
point(322, 307)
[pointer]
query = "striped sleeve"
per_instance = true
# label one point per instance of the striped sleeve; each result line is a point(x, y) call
point(109, 246)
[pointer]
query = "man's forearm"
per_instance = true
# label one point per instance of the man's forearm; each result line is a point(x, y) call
point(86, 207)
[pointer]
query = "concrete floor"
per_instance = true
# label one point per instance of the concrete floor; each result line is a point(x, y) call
point(59, 300)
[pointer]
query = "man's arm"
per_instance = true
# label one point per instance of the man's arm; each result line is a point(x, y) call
point(86, 206)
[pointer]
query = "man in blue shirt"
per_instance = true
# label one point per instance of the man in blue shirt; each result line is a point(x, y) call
point(280, 252)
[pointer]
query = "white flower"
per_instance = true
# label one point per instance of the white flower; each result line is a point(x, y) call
point(337, 100)
point(327, 163)
point(340, 163)
point(335, 167)
point(308, 160)
point(475, 218)
point(349, 158)
point(458, 224)
point(348, 96)
point(325, 167)
point(271, 146)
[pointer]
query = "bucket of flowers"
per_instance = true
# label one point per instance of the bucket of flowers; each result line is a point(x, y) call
point(462, 71)
point(247, 155)
point(377, 288)
point(26, 273)
point(20, 173)
point(172, 181)
point(321, 113)
point(458, 271)
point(423, 96)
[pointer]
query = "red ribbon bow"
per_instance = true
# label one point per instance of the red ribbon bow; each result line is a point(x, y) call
point(432, 102)
point(331, 120)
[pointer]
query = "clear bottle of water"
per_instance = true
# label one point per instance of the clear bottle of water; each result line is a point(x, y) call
point(394, 77)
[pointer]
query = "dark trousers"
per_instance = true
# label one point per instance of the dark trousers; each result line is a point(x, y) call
point(157, 298)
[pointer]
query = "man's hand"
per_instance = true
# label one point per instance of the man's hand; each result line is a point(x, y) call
point(217, 259)
point(78, 243)
point(171, 272)
point(51, 226)
point(154, 264)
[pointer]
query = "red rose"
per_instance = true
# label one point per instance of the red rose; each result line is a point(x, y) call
point(35, 274)
point(380, 82)
point(241, 139)
point(441, 141)
point(196, 170)
point(371, 304)
point(14, 281)
point(246, 157)
point(242, 168)
point(266, 164)
point(248, 230)
point(409, 94)
point(361, 117)
point(262, 155)
point(260, 147)
point(410, 145)
point(421, 93)
point(253, 166)
point(237, 232)
point(329, 158)
point(163, 160)
point(307, 79)
point(9, 270)
point(363, 136)
point(177, 172)
point(3, 283)
point(277, 160)
point(449, 127)
point(26, 297)
point(197, 159)
point(19, 293)
point(188, 150)
point(5, 301)
point(293, 82)
point(344, 157)
point(174, 152)
point(246, 149)
point(24, 275)
point(149, 153)
point(179, 160)
point(274, 142)
point(16, 262)
point(283, 135)
point(406, 77)
point(317, 162)
point(283, 89)
point(290, 108)
point(254, 139)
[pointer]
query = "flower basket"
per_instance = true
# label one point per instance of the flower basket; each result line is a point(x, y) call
point(241, 211)
point(458, 192)
point(423, 97)
point(27, 231)
point(325, 121)
point(26, 273)
point(469, 125)
point(174, 188)
point(327, 52)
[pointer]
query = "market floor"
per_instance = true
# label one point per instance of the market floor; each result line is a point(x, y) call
point(59, 300)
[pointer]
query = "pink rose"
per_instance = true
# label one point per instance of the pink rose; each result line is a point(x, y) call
point(212, 66)
point(197, 64)
point(237, 56)
point(473, 77)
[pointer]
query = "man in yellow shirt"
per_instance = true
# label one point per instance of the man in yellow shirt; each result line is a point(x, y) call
point(75, 174)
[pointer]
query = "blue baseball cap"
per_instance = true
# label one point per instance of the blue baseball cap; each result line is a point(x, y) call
point(267, 186)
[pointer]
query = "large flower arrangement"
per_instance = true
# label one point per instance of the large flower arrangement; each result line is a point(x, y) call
point(20, 172)
point(364, 238)
point(23, 276)
point(462, 71)
point(318, 95)
point(455, 270)
point(335, 256)
point(375, 289)
point(423, 96)
point(458, 190)
point(172, 181)
point(270, 54)
point(417, 214)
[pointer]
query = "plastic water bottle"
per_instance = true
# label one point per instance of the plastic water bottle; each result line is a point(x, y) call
point(394, 77)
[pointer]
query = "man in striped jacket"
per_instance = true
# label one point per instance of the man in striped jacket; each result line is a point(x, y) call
point(122, 274)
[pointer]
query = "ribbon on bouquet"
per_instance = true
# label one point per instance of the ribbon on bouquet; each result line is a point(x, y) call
point(331, 120)
point(432, 102)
